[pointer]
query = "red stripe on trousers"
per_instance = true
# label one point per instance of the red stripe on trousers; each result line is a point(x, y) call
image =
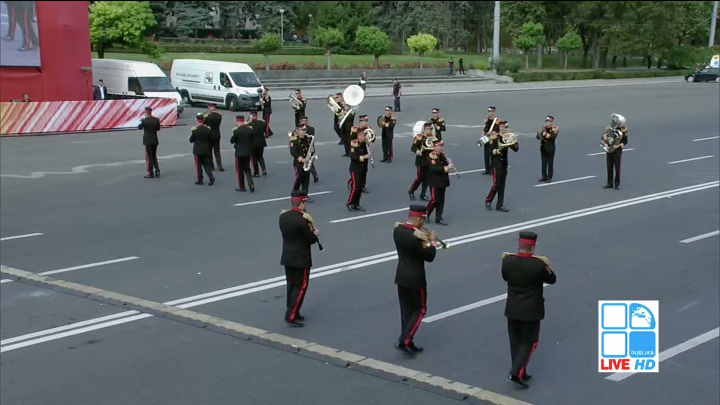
point(147, 160)
point(300, 295)
point(432, 201)
point(352, 189)
point(267, 127)
point(27, 36)
point(237, 170)
point(197, 168)
point(492, 189)
point(417, 178)
point(297, 174)
point(521, 373)
point(410, 336)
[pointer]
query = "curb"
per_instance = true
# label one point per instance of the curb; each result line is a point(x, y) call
point(392, 372)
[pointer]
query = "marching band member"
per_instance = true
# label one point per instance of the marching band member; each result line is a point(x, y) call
point(388, 122)
point(213, 119)
point(259, 128)
point(300, 112)
point(525, 275)
point(438, 123)
point(298, 234)
point(299, 147)
point(547, 148)
point(309, 130)
point(202, 139)
point(613, 160)
point(354, 132)
point(487, 148)
point(266, 101)
point(421, 163)
point(414, 248)
point(243, 139)
point(438, 179)
point(359, 158)
point(346, 130)
point(499, 161)
point(150, 126)
point(336, 119)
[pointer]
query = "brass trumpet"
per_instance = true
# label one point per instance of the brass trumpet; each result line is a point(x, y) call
point(439, 244)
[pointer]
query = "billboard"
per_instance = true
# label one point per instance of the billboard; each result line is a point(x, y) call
point(19, 30)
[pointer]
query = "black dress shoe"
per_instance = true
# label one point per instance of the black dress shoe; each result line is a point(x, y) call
point(252, 189)
point(350, 207)
point(488, 205)
point(157, 173)
point(365, 190)
point(264, 173)
point(440, 222)
point(240, 189)
point(412, 196)
point(256, 175)
point(345, 155)
point(617, 187)
point(149, 176)
point(294, 324)
point(384, 161)
point(222, 169)
point(608, 186)
point(316, 179)
point(359, 208)
point(212, 181)
point(415, 348)
point(517, 381)
point(527, 377)
point(542, 181)
point(408, 351)
point(199, 183)
point(502, 209)
point(299, 317)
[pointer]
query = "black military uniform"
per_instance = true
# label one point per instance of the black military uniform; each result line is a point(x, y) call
point(358, 173)
point(243, 139)
point(259, 128)
point(213, 119)
point(613, 162)
point(525, 275)
point(150, 126)
point(202, 139)
point(387, 129)
point(310, 130)
point(438, 180)
point(299, 113)
point(266, 101)
point(346, 130)
point(487, 148)
point(299, 146)
point(413, 250)
point(25, 12)
point(421, 165)
point(12, 17)
point(296, 227)
point(499, 162)
point(336, 119)
point(547, 148)
point(438, 123)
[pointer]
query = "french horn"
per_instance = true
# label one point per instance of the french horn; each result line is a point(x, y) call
point(369, 135)
point(506, 140)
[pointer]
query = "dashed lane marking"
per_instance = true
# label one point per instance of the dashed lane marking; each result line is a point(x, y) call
point(301, 347)
point(29, 235)
point(82, 267)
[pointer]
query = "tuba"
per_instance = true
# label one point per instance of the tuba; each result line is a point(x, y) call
point(295, 103)
point(353, 96)
point(333, 105)
point(614, 133)
point(311, 155)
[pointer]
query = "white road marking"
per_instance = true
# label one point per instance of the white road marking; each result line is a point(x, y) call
point(706, 139)
point(466, 308)
point(278, 199)
point(673, 351)
point(690, 160)
point(84, 266)
point(603, 153)
point(564, 181)
point(245, 289)
point(700, 237)
point(29, 235)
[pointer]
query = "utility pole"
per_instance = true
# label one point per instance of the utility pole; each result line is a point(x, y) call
point(713, 23)
point(496, 34)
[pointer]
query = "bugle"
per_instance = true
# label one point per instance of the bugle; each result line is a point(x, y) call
point(439, 243)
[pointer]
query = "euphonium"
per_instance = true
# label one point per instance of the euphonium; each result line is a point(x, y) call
point(295, 103)
point(334, 106)
point(614, 133)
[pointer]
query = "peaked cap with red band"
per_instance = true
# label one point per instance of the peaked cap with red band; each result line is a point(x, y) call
point(417, 210)
point(528, 238)
point(298, 196)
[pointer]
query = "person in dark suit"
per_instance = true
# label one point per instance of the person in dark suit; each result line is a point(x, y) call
point(202, 139)
point(461, 65)
point(259, 144)
point(25, 16)
point(266, 101)
point(525, 276)
point(242, 138)
point(613, 161)
point(12, 20)
point(213, 119)
point(397, 93)
point(414, 247)
point(298, 235)
point(150, 126)
point(100, 91)
point(387, 133)
point(547, 136)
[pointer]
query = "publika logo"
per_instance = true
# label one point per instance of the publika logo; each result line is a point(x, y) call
point(628, 338)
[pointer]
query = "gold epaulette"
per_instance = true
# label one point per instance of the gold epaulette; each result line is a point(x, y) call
point(293, 138)
point(193, 128)
point(307, 217)
point(542, 258)
point(283, 211)
point(399, 224)
point(554, 128)
point(354, 129)
point(419, 137)
point(354, 143)
point(433, 155)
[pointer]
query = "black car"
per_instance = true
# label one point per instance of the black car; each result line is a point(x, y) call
point(705, 75)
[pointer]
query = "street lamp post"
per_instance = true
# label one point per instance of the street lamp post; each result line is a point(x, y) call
point(282, 33)
point(713, 22)
point(310, 29)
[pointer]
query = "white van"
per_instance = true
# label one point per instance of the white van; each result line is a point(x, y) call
point(233, 85)
point(133, 79)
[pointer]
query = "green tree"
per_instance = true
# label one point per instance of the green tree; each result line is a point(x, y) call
point(120, 24)
point(328, 38)
point(372, 40)
point(266, 45)
point(421, 44)
point(569, 42)
point(528, 37)
point(517, 13)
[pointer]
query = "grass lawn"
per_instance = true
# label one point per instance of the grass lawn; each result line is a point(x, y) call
point(476, 60)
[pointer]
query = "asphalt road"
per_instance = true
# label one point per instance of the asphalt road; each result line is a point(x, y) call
point(10, 54)
point(217, 251)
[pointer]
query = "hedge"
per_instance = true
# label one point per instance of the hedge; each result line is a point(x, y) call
point(212, 48)
point(521, 77)
point(309, 65)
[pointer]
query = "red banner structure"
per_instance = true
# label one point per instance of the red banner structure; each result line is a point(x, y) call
point(17, 119)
